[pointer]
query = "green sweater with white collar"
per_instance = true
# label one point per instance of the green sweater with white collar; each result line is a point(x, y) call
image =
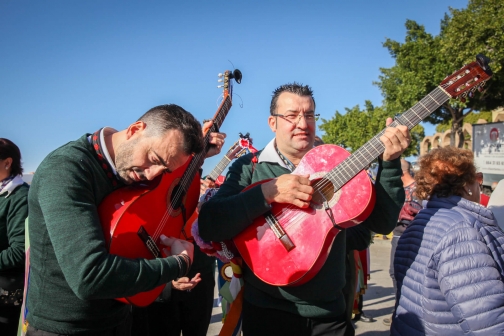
point(73, 278)
point(230, 211)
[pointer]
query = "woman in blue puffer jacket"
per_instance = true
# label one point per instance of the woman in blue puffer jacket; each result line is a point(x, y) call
point(449, 263)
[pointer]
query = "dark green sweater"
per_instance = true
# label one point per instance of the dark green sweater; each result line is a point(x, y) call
point(73, 278)
point(13, 213)
point(230, 211)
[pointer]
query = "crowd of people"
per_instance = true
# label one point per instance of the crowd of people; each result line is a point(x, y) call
point(447, 259)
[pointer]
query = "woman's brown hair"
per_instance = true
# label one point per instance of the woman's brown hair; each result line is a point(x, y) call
point(444, 172)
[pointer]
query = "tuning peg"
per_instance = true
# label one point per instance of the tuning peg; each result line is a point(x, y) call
point(220, 75)
point(220, 86)
point(220, 80)
point(471, 94)
point(462, 100)
point(480, 88)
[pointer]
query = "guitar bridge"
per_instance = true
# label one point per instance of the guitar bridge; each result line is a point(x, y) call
point(329, 213)
point(149, 242)
point(279, 232)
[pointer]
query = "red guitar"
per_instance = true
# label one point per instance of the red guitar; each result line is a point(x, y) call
point(133, 218)
point(289, 245)
point(239, 148)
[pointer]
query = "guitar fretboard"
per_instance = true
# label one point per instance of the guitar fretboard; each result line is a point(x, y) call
point(362, 157)
point(223, 163)
point(198, 159)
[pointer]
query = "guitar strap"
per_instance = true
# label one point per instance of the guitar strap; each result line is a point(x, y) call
point(287, 162)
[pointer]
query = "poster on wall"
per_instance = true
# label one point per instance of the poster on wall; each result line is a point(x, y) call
point(488, 147)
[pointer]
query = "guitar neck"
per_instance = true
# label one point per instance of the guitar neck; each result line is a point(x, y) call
point(198, 159)
point(224, 162)
point(217, 123)
point(366, 154)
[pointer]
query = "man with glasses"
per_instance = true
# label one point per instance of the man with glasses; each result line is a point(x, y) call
point(318, 306)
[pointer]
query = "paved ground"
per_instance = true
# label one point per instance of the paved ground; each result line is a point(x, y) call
point(379, 297)
point(378, 300)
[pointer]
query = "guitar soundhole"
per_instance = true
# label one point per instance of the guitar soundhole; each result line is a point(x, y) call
point(175, 197)
point(324, 191)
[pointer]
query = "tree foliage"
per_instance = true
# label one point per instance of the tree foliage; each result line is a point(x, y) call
point(354, 128)
point(471, 118)
point(424, 60)
point(478, 29)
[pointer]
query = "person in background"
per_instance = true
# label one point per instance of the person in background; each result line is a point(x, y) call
point(496, 203)
point(318, 306)
point(412, 205)
point(73, 277)
point(361, 260)
point(13, 213)
point(484, 198)
point(449, 262)
point(317, 141)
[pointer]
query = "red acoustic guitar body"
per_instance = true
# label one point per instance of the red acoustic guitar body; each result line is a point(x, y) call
point(310, 230)
point(126, 210)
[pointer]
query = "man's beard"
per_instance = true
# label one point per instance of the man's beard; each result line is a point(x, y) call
point(123, 156)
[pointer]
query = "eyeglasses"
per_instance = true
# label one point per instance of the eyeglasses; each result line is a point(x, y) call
point(294, 118)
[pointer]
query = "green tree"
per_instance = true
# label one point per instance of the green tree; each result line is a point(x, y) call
point(423, 61)
point(354, 128)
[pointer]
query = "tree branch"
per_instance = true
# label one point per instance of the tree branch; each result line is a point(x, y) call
point(450, 109)
point(464, 115)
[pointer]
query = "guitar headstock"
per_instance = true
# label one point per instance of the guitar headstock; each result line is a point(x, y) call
point(227, 95)
point(471, 77)
point(245, 141)
point(227, 85)
point(240, 147)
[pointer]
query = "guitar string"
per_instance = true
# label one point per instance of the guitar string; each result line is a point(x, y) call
point(214, 174)
point(179, 192)
point(219, 118)
point(196, 159)
point(359, 155)
point(228, 157)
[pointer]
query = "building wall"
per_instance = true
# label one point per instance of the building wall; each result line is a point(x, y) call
point(443, 139)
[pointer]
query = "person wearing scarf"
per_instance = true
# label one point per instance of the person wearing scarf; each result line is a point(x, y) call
point(13, 213)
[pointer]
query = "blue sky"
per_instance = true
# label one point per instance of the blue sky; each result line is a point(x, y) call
point(71, 67)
